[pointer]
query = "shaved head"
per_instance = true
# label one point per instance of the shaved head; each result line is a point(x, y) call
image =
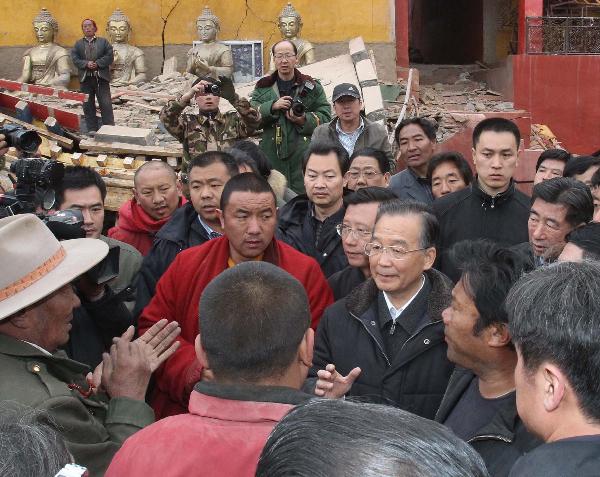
point(153, 165)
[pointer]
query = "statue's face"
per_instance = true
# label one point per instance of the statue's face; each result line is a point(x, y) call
point(289, 27)
point(43, 32)
point(118, 31)
point(207, 30)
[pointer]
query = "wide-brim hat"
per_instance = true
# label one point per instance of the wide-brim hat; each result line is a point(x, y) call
point(35, 264)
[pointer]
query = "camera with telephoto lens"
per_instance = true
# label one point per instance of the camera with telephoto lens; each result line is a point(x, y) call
point(298, 107)
point(21, 138)
point(35, 183)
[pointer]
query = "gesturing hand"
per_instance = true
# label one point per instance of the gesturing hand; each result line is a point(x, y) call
point(282, 104)
point(158, 343)
point(331, 384)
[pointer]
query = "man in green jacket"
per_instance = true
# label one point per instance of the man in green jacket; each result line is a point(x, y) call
point(291, 106)
point(95, 412)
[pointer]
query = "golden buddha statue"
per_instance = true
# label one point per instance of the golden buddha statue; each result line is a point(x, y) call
point(210, 58)
point(46, 64)
point(129, 66)
point(290, 25)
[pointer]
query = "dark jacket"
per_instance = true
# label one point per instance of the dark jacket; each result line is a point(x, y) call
point(93, 427)
point(406, 186)
point(471, 214)
point(182, 231)
point(297, 227)
point(95, 324)
point(500, 442)
point(348, 336)
point(284, 142)
point(102, 54)
point(574, 457)
point(344, 281)
point(373, 135)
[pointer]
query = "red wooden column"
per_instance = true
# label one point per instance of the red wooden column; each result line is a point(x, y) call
point(527, 8)
point(402, 26)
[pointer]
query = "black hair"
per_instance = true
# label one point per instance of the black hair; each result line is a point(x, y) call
point(77, 178)
point(323, 148)
point(455, 158)
point(571, 193)
point(556, 154)
point(428, 126)
point(430, 226)
point(249, 332)
point(364, 440)
point(554, 316)
point(263, 163)
point(246, 182)
point(580, 164)
point(281, 41)
point(483, 262)
point(587, 238)
point(498, 125)
point(242, 159)
point(205, 159)
point(377, 154)
point(368, 195)
point(154, 165)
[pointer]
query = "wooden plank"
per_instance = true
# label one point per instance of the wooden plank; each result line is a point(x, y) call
point(55, 151)
point(40, 111)
point(43, 90)
point(101, 160)
point(63, 141)
point(128, 162)
point(117, 93)
point(122, 148)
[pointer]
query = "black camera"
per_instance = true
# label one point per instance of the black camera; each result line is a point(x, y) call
point(213, 89)
point(21, 138)
point(298, 107)
point(35, 185)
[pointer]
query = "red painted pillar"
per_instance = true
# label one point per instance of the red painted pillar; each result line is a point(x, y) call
point(527, 8)
point(402, 25)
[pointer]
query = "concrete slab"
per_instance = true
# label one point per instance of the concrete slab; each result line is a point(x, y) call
point(122, 134)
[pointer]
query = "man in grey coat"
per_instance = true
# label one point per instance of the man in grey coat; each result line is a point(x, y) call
point(350, 128)
point(92, 56)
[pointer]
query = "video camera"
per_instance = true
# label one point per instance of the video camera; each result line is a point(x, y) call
point(21, 138)
point(298, 107)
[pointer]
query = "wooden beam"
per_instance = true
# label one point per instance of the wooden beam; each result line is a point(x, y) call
point(63, 141)
point(43, 90)
point(132, 149)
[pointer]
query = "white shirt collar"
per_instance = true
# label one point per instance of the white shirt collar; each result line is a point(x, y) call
point(396, 312)
point(207, 227)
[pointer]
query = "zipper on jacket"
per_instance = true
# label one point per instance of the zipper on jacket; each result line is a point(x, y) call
point(374, 339)
point(416, 333)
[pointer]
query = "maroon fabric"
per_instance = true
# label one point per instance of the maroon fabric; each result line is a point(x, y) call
point(177, 297)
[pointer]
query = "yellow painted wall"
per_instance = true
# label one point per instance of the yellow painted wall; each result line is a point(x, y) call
point(324, 20)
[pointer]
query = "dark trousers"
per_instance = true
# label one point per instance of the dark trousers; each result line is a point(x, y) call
point(99, 88)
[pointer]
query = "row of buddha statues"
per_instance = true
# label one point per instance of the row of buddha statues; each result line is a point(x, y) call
point(49, 64)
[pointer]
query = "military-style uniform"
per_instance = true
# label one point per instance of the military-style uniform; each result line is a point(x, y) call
point(209, 132)
point(94, 427)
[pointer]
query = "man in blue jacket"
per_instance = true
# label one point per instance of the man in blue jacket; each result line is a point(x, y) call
point(92, 56)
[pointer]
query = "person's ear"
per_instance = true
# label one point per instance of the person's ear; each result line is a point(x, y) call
point(386, 179)
point(200, 353)
point(306, 347)
point(554, 386)
point(179, 187)
point(221, 217)
point(135, 195)
point(430, 255)
point(498, 335)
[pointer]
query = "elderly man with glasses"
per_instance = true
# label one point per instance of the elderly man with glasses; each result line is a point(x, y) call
point(385, 341)
point(291, 106)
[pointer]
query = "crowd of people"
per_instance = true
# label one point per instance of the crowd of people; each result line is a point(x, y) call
point(301, 308)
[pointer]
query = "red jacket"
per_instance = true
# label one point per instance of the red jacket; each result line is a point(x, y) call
point(220, 437)
point(178, 294)
point(136, 227)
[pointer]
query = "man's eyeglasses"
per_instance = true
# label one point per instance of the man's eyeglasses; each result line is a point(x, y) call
point(345, 231)
point(395, 252)
point(368, 174)
point(281, 56)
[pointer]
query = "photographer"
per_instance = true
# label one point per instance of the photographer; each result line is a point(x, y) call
point(291, 106)
point(211, 130)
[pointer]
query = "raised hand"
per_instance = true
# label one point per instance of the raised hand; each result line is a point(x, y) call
point(331, 384)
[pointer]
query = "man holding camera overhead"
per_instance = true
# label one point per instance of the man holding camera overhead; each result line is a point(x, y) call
point(210, 130)
point(291, 106)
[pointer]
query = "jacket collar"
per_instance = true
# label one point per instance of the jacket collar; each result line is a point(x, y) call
point(270, 80)
point(132, 217)
point(488, 201)
point(361, 298)
point(178, 226)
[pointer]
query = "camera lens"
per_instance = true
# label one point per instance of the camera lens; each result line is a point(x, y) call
point(27, 141)
point(214, 89)
point(298, 109)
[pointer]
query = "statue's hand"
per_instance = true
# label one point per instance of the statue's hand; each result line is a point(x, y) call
point(227, 89)
point(202, 67)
